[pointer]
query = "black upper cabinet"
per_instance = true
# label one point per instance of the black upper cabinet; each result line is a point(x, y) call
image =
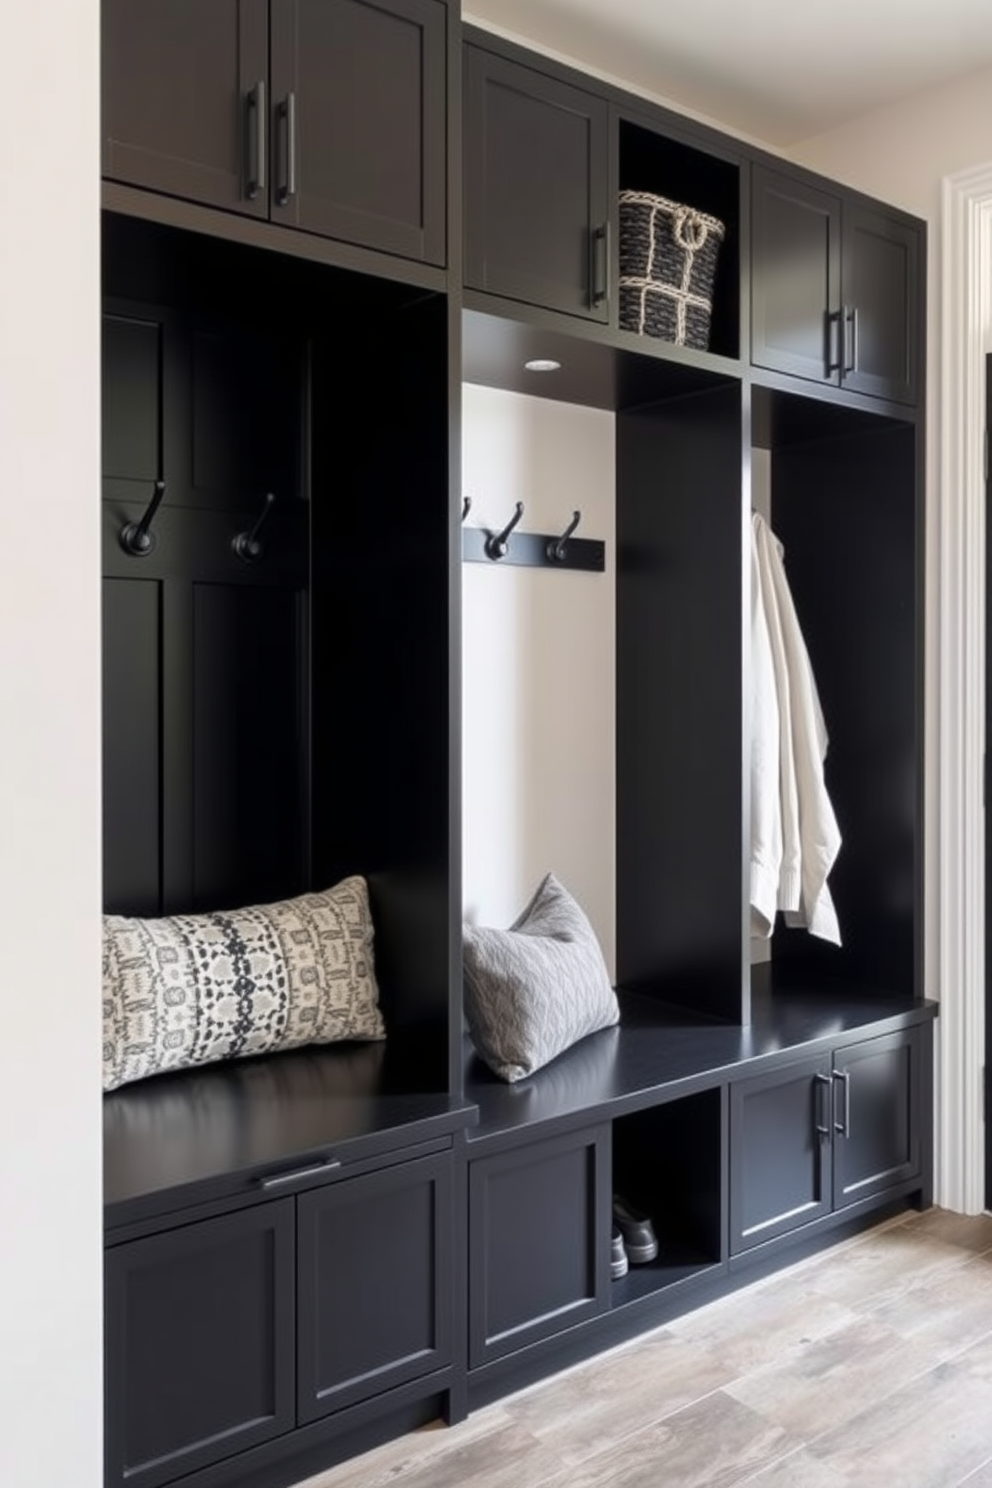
point(178, 80)
point(835, 289)
point(359, 115)
point(536, 194)
point(338, 128)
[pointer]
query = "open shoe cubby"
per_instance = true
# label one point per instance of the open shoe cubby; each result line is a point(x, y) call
point(668, 1163)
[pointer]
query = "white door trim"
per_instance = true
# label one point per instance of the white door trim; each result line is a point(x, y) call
point(959, 863)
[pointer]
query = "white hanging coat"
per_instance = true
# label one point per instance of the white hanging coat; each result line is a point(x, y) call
point(794, 834)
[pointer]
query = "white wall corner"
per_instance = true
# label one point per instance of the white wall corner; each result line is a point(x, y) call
point(959, 871)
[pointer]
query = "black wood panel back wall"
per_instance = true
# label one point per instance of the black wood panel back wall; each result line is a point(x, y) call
point(845, 509)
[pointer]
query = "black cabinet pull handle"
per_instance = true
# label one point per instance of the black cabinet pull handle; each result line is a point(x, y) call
point(297, 1175)
point(833, 332)
point(137, 538)
point(287, 113)
point(822, 1125)
point(851, 341)
point(843, 1126)
point(600, 270)
point(256, 141)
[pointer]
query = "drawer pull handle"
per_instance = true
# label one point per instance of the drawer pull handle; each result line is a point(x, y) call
point(297, 1175)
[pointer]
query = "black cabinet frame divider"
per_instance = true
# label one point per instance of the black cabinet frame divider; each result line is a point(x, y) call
point(282, 707)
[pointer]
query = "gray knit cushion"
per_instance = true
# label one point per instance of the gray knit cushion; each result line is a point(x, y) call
point(192, 989)
point(534, 990)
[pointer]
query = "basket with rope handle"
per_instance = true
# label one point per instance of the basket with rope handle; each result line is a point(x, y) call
point(668, 258)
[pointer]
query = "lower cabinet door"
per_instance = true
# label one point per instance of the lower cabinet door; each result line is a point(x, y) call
point(200, 1344)
point(539, 1233)
point(375, 1259)
point(780, 1152)
point(876, 1116)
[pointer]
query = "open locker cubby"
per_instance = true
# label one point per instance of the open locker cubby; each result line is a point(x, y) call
point(844, 503)
point(670, 166)
point(271, 726)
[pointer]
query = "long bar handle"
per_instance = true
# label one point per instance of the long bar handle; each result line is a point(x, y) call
point(843, 1127)
point(297, 1175)
point(822, 1126)
point(287, 113)
point(851, 342)
point(255, 181)
point(834, 335)
point(600, 275)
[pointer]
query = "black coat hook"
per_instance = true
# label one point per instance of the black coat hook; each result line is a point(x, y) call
point(466, 507)
point(556, 550)
point(137, 538)
point(497, 546)
point(247, 545)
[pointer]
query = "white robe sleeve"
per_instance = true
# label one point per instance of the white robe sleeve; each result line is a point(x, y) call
point(819, 835)
point(766, 817)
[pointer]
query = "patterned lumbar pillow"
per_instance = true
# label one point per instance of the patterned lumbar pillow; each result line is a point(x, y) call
point(191, 989)
point(534, 990)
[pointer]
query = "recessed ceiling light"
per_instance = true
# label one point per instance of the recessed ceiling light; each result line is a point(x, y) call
point(542, 364)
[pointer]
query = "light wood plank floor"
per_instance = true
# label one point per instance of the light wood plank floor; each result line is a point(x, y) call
point(868, 1366)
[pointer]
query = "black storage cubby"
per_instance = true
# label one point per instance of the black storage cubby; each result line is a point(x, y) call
point(845, 494)
point(668, 1162)
point(670, 166)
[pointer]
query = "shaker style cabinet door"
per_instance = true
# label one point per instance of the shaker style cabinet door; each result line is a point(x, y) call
point(374, 1258)
point(199, 1344)
point(881, 259)
point(184, 99)
point(780, 1152)
point(358, 122)
point(876, 1116)
point(536, 203)
point(539, 1221)
point(795, 277)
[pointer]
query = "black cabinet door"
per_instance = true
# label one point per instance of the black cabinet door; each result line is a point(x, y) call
point(200, 1344)
point(834, 289)
point(375, 1258)
point(881, 267)
point(780, 1152)
point(795, 286)
point(539, 1230)
point(358, 122)
point(536, 206)
point(184, 98)
point(876, 1116)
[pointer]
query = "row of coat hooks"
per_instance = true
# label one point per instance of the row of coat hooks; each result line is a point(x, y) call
point(532, 549)
point(139, 539)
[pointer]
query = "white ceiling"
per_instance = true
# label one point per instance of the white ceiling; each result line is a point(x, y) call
point(778, 70)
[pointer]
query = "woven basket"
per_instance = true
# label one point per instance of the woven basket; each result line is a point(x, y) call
point(668, 255)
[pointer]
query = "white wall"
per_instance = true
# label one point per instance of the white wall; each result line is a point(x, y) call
point(900, 152)
point(538, 665)
point(50, 1199)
